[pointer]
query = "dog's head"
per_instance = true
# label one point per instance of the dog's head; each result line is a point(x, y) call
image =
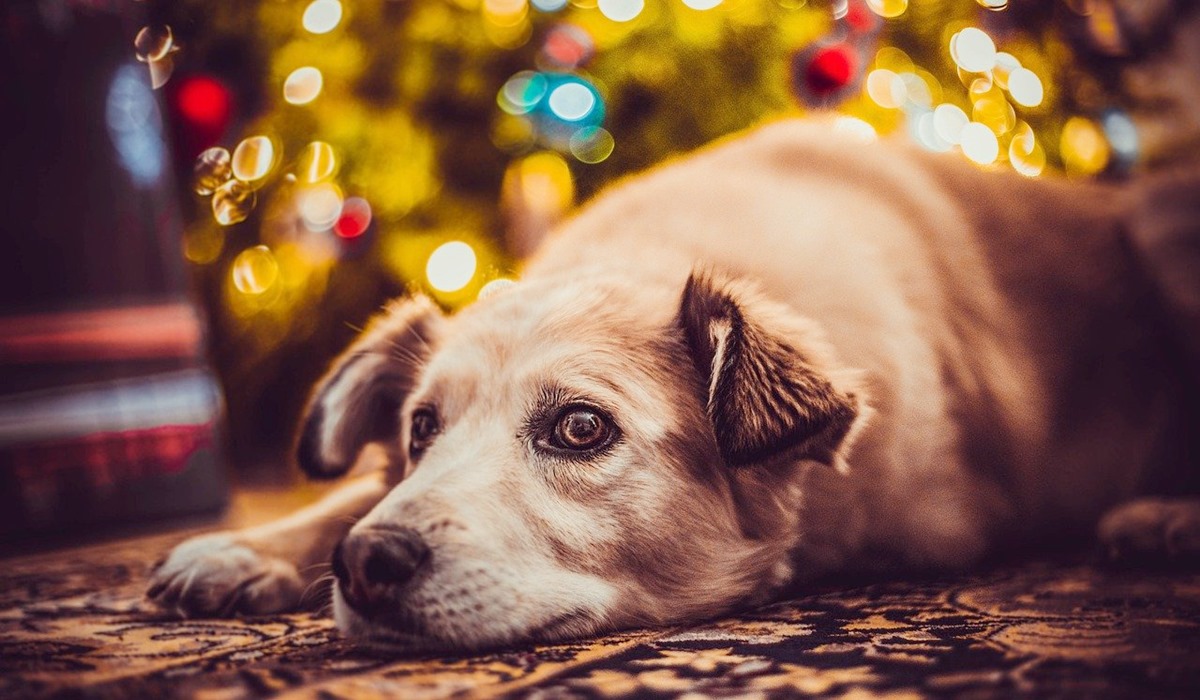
point(575, 458)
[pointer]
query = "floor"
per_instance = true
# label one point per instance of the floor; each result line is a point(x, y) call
point(73, 623)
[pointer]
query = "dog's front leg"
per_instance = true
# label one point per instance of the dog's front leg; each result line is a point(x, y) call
point(264, 569)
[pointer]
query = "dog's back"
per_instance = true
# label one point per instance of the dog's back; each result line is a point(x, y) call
point(1015, 347)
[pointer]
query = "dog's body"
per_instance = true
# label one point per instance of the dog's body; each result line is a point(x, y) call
point(785, 356)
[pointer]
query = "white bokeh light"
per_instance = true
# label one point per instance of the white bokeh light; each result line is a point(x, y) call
point(322, 16)
point(980, 144)
point(451, 266)
point(973, 50)
point(621, 10)
point(572, 101)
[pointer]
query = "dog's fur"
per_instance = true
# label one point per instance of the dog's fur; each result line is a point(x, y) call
point(818, 357)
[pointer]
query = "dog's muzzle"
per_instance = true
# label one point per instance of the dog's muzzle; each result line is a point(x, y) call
point(372, 565)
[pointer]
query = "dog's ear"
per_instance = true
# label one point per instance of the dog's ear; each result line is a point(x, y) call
point(764, 394)
point(358, 400)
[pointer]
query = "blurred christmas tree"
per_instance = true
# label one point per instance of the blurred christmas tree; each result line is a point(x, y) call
point(345, 152)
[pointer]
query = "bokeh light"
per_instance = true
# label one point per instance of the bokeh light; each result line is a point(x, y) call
point(979, 143)
point(255, 270)
point(888, 8)
point(1025, 87)
point(544, 182)
point(232, 202)
point(320, 206)
point(203, 244)
point(321, 16)
point(949, 121)
point(211, 170)
point(153, 43)
point(702, 4)
point(451, 266)
point(522, 92)
point(549, 5)
point(572, 101)
point(354, 220)
point(592, 144)
point(1083, 147)
point(886, 88)
point(317, 162)
point(994, 5)
point(254, 158)
point(973, 50)
point(995, 113)
point(1025, 154)
point(567, 46)
point(621, 10)
point(302, 85)
point(1122, 136)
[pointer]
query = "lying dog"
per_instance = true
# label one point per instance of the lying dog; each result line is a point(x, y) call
point(785, 356)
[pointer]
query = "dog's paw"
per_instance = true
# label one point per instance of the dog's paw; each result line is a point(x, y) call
point(218, 576)
point(1152, 530)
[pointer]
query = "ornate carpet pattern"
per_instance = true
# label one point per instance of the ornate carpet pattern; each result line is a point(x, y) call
point(74, 624)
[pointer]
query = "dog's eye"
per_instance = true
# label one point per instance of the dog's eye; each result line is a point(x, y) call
point(580, 428)
point(425, 428)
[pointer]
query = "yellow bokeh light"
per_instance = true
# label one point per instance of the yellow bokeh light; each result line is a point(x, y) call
point(317, 162)
point(321, 16)
point(233, 202)
point(888, 8)
point(995, 113)
point(253, 158)
point(1025, 87)
point(702, 4)
point(302, 85)
point(980, 144)
point(621, 10)
point(203, 244)
point(592, 144)
point(544, 183)
point(973, 50)
point(211, 170)
point(451, 266)
point(1083, 147)
point(255, 270)
point(994, 5)
point(1024, 152)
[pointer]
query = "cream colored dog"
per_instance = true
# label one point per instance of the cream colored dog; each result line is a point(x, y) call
point(781, 357)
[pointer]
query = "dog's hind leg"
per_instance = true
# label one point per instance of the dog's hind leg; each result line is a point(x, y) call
point(265, 569)
point(1153, 531)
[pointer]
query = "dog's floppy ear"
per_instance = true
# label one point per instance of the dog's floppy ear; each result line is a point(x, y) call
point(358, 400)
point(764, 394)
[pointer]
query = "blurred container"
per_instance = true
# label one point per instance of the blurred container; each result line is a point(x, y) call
point(107, 413)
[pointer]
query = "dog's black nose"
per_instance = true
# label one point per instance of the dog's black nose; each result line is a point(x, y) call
point(371, 563)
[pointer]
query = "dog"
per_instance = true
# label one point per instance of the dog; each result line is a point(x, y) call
point(783, 357)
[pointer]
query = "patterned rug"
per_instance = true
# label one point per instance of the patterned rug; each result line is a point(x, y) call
point(73, 624)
